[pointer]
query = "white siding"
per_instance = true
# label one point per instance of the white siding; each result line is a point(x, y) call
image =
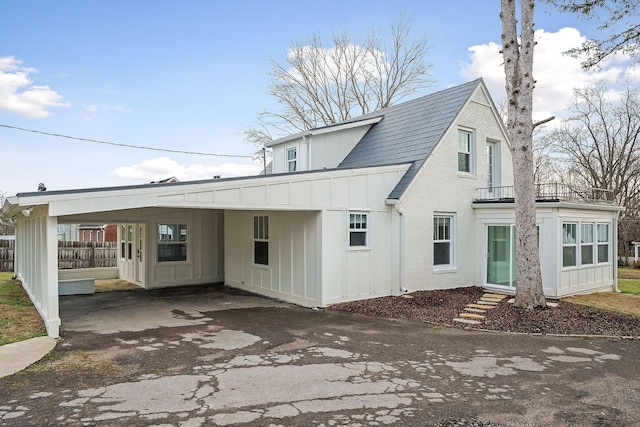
point(320, 151)
point(292, 273)
point(440, 189)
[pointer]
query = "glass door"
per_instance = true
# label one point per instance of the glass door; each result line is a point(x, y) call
point(501, 255)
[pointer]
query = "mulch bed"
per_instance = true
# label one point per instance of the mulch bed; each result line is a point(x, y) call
point(442, 306)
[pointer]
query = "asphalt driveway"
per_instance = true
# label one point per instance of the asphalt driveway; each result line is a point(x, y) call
point(201, 356)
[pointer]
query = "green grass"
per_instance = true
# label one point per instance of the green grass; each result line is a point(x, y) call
point(629, 286)
point(19, 320)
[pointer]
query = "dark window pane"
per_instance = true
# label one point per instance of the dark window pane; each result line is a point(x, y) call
point(603, 253)
point(463, 162)
point(358, 238)
point(261, 253)
point(172, 252)
point(569, 256)
point(441, 253)
point(587, 254)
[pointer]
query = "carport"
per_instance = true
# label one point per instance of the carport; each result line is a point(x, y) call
point(282, 236)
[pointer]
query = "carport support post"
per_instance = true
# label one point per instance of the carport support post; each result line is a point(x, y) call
point(50, 275)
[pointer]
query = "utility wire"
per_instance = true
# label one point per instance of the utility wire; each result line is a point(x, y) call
point(166, 150)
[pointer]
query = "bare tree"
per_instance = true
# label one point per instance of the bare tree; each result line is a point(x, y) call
point(618, 17)
point(518, 67)
point(599, 146)
point(319, 85)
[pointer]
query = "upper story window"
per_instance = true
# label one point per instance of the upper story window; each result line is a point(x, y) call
point(466, 148)
point(358, 228)
point(292, 159)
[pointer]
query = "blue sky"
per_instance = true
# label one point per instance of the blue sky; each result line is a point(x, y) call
point(192, 75)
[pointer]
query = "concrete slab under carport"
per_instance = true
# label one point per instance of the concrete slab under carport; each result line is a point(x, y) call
point(139, 309)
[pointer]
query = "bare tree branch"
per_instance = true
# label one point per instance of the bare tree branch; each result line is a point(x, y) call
point(319, 85)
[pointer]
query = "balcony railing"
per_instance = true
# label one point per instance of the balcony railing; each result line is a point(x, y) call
point(548, 193)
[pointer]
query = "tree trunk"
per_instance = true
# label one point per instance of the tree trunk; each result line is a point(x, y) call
point(518, 65)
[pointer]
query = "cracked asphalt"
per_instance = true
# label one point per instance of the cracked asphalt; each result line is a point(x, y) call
point(212, 356)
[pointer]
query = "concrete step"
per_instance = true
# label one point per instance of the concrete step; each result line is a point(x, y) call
point(482, 306)
point(472, 315)
point(491, 299)
point(475, 310)
point(487, 302)
point(488, 295)
point(467, 321)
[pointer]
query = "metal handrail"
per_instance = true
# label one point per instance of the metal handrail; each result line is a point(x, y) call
point(549, 192)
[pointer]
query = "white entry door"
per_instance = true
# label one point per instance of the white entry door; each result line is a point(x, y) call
point(132, 253)
point(140, 253)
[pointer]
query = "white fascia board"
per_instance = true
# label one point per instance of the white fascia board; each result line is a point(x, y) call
point(323, 130)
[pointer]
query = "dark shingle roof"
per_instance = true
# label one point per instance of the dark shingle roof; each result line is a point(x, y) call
point(409, 131)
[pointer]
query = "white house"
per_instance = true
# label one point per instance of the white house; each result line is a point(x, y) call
point(412, 197)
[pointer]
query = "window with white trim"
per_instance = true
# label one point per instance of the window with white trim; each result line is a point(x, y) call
point(443, 241)
point(292, 159)
point(358, 229)
point(603, 243)
point(569, 244)
point(261, 240)
point(586, 243)
point(172, 242)
point(466, 148)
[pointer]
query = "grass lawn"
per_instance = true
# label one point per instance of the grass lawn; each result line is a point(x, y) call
point(19, 320)
point(627, 302)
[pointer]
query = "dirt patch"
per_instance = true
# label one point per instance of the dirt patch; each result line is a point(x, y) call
point(442, 306)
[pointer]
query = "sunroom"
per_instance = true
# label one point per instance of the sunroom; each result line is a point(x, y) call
point(577, 234)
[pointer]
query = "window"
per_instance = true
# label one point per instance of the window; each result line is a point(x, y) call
point(569, 244)
point(129, 241)
point(292, 159)
point(261, 240)
point(358, 229)
point(586, 244)
point(465, 151)
point(603, 242)
point(172, 242)
point(123, 241)
point(490, 166)
point(443, 240)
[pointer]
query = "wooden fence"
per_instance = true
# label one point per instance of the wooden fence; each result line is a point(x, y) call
point(70, 254)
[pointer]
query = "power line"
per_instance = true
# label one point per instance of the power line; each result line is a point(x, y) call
point(140, 147)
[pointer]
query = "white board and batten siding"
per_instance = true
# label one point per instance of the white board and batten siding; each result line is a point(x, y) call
point(310, 261)
point(558, 281)
point(593, 277)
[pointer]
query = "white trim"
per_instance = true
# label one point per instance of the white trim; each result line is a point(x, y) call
point(452, 265)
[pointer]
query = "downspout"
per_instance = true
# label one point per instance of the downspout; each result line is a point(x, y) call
point(403, 290)
point(615, 255)
point(306, 141)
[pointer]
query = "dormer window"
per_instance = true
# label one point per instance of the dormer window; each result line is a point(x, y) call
point(292, 159)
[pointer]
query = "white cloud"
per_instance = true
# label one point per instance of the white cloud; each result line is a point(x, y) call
point(19, 95)
point(556, 74)
point(90, 111)
point(164, 167)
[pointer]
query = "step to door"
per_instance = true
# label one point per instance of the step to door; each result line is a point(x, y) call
point(467, 321)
